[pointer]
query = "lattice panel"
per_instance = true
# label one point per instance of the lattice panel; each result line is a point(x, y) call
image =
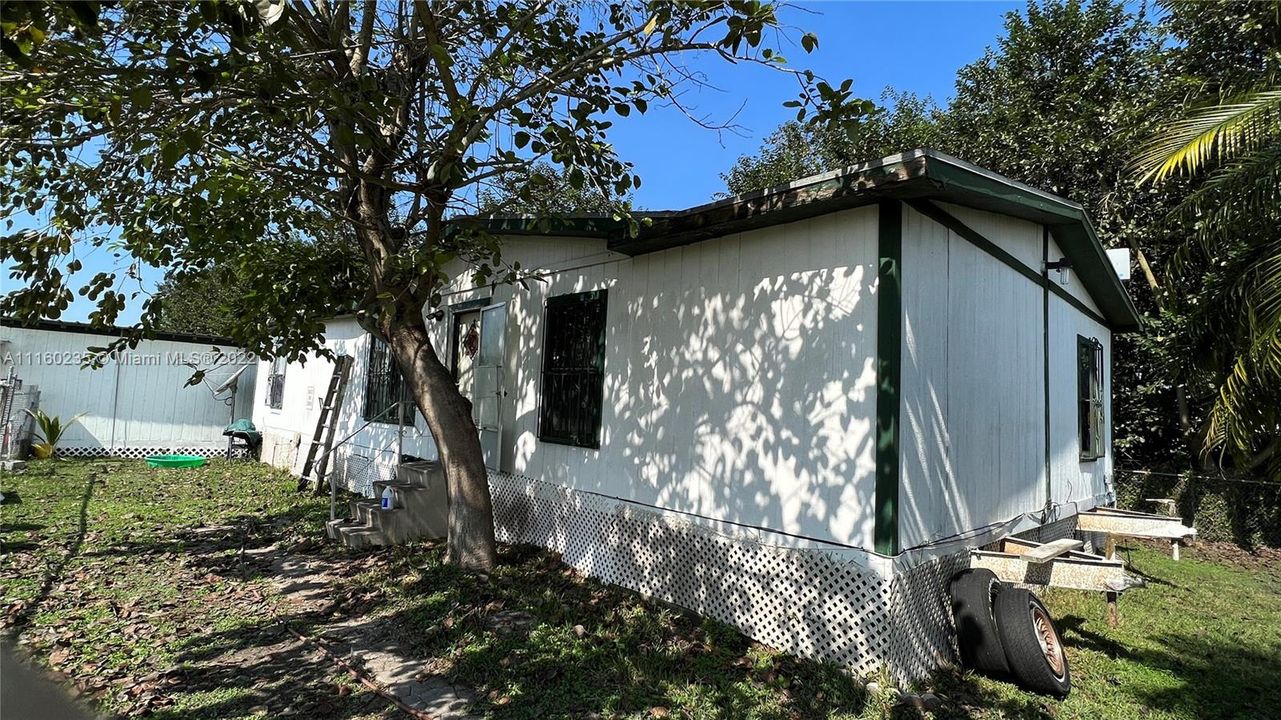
point(1054, 530)
point(357, 466)
point(357, 472)
point(806, 602)
point(924, 638)
point(139, 453)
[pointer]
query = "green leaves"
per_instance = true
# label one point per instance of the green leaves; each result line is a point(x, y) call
point(1227, 138)
point(798, 149)
point(25, 24)
point(1214, 133)
point(248, 142)
point(51, 427)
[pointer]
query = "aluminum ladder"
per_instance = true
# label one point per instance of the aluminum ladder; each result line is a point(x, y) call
point(326, 425)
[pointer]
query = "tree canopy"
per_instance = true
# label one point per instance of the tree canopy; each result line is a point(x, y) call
point(1226, 138)
point(902, 122)
point(544, 191)
point(329, 152)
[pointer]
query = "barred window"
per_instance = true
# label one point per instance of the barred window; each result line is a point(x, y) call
point(276, 384)
point(1089, 355)
point(573, 369)
point(384, 386)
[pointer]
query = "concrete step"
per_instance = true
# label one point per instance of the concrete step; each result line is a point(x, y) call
point(363, 508)
point(358, 538)
point(374, 516)
point(421, 510)
point(395, 485)
point(333, 528)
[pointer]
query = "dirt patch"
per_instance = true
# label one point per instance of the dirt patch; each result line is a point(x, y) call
point(1221, 553)
point(1225, 553)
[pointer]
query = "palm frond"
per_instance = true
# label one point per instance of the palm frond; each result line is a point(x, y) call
point(1239, 202)
point(1217, 132)
point(1245, 406)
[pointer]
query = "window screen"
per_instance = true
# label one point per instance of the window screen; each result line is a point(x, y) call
point(1089, 355)
point(573, 369)
point(276, 384)
point(384, 386)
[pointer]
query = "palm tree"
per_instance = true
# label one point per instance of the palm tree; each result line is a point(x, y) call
point(1232, 148)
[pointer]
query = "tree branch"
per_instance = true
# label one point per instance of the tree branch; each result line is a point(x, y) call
point(360, 54)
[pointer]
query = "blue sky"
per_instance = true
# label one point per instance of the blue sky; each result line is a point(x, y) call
point(916, 46)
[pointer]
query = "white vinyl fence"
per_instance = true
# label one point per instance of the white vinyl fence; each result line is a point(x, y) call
point(137, 404)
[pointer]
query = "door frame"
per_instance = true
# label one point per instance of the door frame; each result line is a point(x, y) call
point(451, 341)
point(499, 380)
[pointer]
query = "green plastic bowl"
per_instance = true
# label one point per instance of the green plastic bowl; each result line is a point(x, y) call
point(175, 461)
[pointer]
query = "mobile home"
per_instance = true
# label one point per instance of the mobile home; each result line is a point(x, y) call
point(793, 410)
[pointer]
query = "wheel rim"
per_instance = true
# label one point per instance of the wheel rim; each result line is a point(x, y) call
point(1049, 641)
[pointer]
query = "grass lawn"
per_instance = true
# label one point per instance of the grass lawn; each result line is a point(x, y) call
point(144, 591)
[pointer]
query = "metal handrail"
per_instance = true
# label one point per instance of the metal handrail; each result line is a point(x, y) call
point(323, 460)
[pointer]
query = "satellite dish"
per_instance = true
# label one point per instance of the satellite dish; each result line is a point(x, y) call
point(230, 383)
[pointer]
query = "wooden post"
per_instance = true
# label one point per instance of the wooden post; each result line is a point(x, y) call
point(1114, 618)
point(1109, 547)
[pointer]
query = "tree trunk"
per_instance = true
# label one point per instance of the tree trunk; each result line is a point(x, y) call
point(470, 543)
point(470, 532)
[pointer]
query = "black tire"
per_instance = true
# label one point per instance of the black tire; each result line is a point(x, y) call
point(1033, 650)
point(977, 638)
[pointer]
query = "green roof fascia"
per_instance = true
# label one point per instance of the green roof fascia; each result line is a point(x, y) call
point(838, 190)
point(562, 226)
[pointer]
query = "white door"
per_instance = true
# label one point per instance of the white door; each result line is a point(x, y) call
point(488, 387)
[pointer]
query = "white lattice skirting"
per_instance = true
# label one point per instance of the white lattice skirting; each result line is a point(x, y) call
point(138, 453)
point(807, 602)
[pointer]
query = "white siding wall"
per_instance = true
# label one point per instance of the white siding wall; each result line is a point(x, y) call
point(287, 431)
point(139, 400)
point(973, 409)
point(739, 375)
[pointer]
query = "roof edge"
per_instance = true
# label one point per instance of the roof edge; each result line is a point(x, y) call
point(68, 326)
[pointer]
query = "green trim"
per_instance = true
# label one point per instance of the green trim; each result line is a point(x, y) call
point(562, 226)
point(1045, 366)
point(1067, 221)
point(951, 222)
point(469, 305)
point(889, 339)
point(1094, 396)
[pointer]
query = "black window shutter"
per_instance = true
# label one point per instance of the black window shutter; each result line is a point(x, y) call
point(573, 369)
point(384, 386)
